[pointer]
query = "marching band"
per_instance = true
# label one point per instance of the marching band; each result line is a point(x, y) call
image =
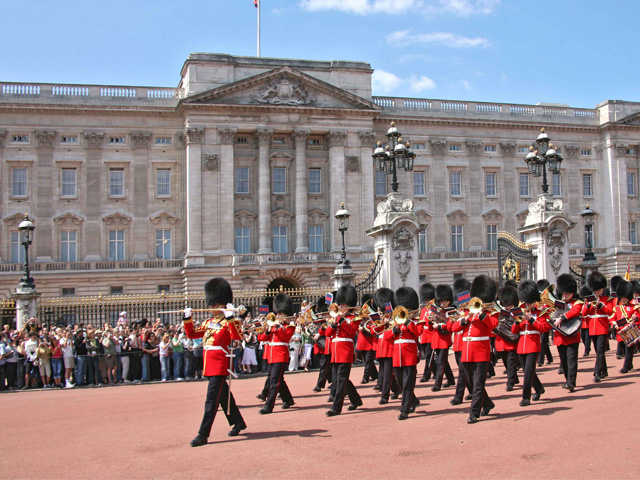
point(475, 318)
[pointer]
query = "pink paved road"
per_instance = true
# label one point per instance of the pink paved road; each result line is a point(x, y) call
point(141, 432)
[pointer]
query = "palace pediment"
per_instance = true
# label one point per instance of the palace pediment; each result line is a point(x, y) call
point(633, 119)
point(282, 87)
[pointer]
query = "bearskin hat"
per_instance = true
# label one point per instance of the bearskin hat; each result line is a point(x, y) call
point(614, 282)
point(511, 283)
point(283, 304)
point(217, 291)
point(346, 295)
point(444, 293)
point(636, 286)
point(407, 297)
point(585, 291)
point(427, 292)
point(461, 285)
point(528, 291)
point(596, 281)
point(384, 295)
point(624, 290)
point(542, 284)
point(321, 305)
point(366, 297)
point(508, 296)
point(566, 284)
point(483, 287)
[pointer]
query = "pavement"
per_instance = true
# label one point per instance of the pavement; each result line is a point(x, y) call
point(143, 431)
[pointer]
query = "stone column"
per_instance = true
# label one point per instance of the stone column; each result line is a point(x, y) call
point(336, 182)
point(193, 138)
point(547, 228)
point(141, 141)
point(42, 203)
point(264, 192)
point(26, 306)
point(367, 185)
point(302, 231)
point(511, 182)
point(92, 239)
point(227, 189)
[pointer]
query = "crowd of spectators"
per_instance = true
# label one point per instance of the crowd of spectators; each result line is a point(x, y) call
point(65, 356)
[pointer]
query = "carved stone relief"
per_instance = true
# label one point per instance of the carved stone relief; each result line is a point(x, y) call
point(556, 239)
point(193, 135)
point(402, 246)
point(284, 91)
point(264, 137)
point(572, 150)
point(392, 204)
point(336, 139)
point(438, 146)
point(621, 150)
point(227, 135)
point(45, 139)
point(367, 139)
point(474, 147)
point(210, 161)
point(545, 204)
point(141, 140)
point(508, 149)
point(94, 139)
point(2, 136)
point(352, 163)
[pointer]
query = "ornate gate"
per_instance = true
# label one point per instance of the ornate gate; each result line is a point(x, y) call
point(516, 260)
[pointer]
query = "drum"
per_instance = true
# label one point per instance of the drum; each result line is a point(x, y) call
point(630, 334)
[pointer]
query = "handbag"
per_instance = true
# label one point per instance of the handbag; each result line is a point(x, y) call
point(36, 362)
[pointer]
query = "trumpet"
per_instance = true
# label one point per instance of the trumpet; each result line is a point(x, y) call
point(475, 305)
point(399, 316)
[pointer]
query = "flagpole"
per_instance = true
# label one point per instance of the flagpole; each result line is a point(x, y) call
point(259, 28)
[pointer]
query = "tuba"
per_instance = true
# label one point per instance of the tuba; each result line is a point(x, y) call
point(555, 308)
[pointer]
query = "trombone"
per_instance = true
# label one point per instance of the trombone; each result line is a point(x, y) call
point(239, 310)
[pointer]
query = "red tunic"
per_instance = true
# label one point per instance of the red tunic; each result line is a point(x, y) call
point(280, 336)
point(476, 346)
point(575, 310)
point(217, 334)
point(425, 336)
point(385, 345)
point(622, 312)
point(457, 336)
point(365, 340)
point(599, 317)
point(529, 341)
point(405, 344)
point(316, 347)
point(342, 339)
point(440, 337)
point(266, 338)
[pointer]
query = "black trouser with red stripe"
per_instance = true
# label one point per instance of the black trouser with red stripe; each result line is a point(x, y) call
point(443, 368)
point(628, 356)
point(600, 343)
point(387, 378)
point(510, 358)
point(407, 379)
point(267, 382)
point(462, 378)
point(324, 375)
point(528, 361)
point(343, 386)
point(277, 384)
point(370, 370)
point(218, 394)
point(429, 364)
point(586, 340)
point(477, 375)
point(569, 361)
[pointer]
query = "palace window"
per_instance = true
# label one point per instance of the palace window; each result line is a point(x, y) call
point(524, 185)
point(116, 245)
point(315, 239)
point(68, 246)
point(457, 244)
point(418, 184)
point(492, 237)
point(163, 141)
point(163, 182)
point(633, 233)
point(163, 244)
point(381, 183)
point(422, 241)
point(280, 239)
point(556, 185)
point(242, 180)
point(455, 148)
point(490, 184)
point(490, 148)
point(455, 184)
point(19, 182)
point(243, 240)
point(631, 184)
point(279, 181)
point(17, 249)
point(315, 181)
point(116, 182)
point(69, 139)
point(587, 185)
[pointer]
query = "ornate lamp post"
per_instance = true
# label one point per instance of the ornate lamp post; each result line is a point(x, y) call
point(395, 155)
point(342, 221)
point(587, 217)
point(26, 229)
point(540, 155)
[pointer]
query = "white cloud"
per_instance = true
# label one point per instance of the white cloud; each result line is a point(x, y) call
point(386, 82)
point(452, 40)
point(461, 8)
point(419, 84)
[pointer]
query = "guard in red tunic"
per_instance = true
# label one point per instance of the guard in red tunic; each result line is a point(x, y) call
point(625, 312)
point(343, 329)
point(620, 346)
point(599, 322)
point(460, 286)
point(217, 335)
point(265, 337)
point(281, 333)
point(367, 345)
point(567, 290)
point(476, 350)
point(384, 353)
point(405, 335)
point(529, 328)
point(584, 328)
point(428, 298)
point(440, 326)
point(321, 348)
point(508, 298)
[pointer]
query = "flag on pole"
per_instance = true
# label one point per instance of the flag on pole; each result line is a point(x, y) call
point(256, 3)
point(627, 275)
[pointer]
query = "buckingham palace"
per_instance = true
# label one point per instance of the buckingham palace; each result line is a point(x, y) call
point(239, 171)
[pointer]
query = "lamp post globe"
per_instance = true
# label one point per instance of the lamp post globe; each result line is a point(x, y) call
point(395, 155)
point(26, 229)
point(541, 155)
point(342, 222)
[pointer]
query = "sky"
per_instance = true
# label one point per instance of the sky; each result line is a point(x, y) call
point(574, 52)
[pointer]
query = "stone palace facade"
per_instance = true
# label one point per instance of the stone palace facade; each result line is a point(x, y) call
point(240, 169)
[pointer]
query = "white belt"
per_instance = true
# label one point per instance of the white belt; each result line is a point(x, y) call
point(214, 347)
point(404, 341)
point(474, 339)
point(381, 336)
point(530, 332)
point(598, 316)
point(279, 344)
point(340, 339)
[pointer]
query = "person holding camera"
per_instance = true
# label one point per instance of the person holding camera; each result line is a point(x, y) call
point(109, 343)
point(30, 351)
point(66, 342)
